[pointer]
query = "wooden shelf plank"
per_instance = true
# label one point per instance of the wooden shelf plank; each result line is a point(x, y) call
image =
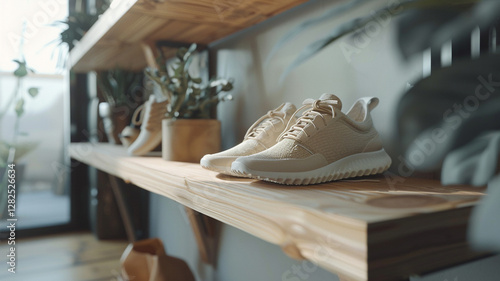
point(363, 229)
point(114, 40)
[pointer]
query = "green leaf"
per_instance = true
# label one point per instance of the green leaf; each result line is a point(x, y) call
point(474, 163)
point(21, 70)
point(119, 87)
point(333, 36)
point(435, 25)
point(22, 148)
point(449, 109)
point(337, 10)
point(187, 64)
point(178, 71)
point(33, 91)
point(196, 80)
point(19, 107)
point(4, 150)
point(181, 52)
point(228, 97)
point(190, 51)
point(196, 91)
point(227, 87)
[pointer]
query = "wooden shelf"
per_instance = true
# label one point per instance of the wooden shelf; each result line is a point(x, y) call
point(377, 228)
point(115, 39)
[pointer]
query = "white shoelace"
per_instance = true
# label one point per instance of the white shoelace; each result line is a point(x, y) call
point(261, 124)
point(138, 116)
point(156, 114)
point(316, 108)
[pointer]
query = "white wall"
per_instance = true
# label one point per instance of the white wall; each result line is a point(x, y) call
point(376, 70)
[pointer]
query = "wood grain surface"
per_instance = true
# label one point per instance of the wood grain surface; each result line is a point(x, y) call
point(372, 228)
point(116, 38)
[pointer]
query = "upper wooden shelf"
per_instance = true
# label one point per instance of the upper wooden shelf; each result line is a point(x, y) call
point(115, 39)
point(377, 228)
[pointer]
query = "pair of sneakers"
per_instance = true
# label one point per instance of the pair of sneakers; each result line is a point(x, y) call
point(322, 145)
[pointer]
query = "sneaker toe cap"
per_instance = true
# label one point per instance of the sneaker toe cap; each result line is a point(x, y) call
point(216, 162)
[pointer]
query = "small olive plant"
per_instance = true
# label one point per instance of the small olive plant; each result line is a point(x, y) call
point(121, 88)
point(188, 97)
point(11, 151)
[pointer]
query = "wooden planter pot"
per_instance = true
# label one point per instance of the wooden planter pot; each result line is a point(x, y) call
point(187, 140)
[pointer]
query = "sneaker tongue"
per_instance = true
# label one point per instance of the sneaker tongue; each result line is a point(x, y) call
point(288, 108)
point(326, 96)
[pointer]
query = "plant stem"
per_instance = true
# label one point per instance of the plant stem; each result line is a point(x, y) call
point(3, 192)
point(179, 102)
point(12, 145)
point(12, 148)
point(12, 98)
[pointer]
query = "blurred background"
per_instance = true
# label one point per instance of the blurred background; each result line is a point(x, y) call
point(28, 32)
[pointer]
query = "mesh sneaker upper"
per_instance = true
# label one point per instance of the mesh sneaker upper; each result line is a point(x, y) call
point(247, 147)
point(324, 129)
point(264, 133)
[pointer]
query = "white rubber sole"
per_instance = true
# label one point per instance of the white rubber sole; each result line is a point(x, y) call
point(362, 164)
point(219, 169)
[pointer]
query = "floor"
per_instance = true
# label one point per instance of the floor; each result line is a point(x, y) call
point(68, 257)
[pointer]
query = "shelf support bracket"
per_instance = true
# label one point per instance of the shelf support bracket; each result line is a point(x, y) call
point(206, 231)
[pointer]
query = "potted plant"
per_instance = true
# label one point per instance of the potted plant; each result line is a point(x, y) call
point(188, 130)
point(122, 92)
point(74, 27)
point(12, 150)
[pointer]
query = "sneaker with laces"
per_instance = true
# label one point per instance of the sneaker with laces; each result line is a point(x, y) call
point(150, 136)
point(324, 144)
point(260, 136)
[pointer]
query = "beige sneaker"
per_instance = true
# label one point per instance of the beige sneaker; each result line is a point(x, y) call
point(132, 131)
point(323, 145)
point(150, 136)
point(260, 136)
